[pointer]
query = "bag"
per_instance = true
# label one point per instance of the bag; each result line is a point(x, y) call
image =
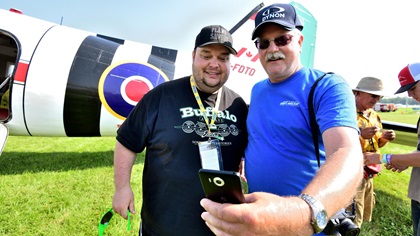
point(373, 169)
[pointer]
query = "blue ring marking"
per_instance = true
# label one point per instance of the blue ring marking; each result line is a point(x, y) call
point(112, 79)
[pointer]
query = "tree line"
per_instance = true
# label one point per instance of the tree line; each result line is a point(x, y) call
point(400, 100)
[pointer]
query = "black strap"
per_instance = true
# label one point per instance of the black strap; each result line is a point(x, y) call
point(314, 124)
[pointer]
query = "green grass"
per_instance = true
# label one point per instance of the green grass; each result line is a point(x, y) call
point(402, 115)
point(62, 186)
point(392, 212)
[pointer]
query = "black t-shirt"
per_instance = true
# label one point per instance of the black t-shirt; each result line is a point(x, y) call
point(168, 122)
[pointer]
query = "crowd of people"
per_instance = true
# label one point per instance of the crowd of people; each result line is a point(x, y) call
point(294, 187)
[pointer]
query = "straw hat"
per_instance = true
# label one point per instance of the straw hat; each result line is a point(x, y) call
point(370, 85)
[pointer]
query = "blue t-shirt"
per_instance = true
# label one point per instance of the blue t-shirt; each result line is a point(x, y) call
point(280, 156)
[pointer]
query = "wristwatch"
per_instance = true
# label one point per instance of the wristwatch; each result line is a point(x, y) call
point(319, 215)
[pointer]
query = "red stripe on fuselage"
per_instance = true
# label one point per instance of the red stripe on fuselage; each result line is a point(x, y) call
point(21, 72)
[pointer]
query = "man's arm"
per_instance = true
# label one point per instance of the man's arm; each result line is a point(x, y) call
point(397, 160)
point(123, 196)
point(335, 183)
point(268, 214)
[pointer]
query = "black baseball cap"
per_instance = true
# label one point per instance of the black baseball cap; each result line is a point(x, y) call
point(215, 34)
point(282, 14)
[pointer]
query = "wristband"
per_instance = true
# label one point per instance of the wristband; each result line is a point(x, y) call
point(388, 158)
point(384, 160)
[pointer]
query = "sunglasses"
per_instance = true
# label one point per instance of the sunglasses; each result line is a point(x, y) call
point(376, 96)
point(106, 218)
point(279, 41)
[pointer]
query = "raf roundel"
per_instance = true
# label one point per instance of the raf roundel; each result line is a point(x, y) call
point(123, 85)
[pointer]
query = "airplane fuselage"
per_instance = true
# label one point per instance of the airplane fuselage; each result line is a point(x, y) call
point(61, 81)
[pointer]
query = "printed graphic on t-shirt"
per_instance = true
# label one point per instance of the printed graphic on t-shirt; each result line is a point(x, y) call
point(221, 129)
point(200, 128)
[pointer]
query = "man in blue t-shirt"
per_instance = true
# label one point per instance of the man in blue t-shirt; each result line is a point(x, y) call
point(290, 193)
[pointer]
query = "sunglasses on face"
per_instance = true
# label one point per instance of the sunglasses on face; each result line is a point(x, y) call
point(106, 218)
point(279, 41)
point(376, 96)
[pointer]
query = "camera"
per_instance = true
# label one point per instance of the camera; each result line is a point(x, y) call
point(342, 222)
point(218, 181)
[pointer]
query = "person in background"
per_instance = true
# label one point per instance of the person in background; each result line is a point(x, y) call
point(409, 77)
point(170, 122)
point(367, 93)
point(290, 193)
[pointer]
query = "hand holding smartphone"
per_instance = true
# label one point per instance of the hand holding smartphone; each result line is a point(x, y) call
point(222, 186)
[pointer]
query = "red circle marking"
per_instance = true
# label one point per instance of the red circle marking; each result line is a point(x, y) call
point(136, 89)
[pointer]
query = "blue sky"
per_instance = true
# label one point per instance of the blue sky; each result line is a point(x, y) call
point(156, 22)
point(355, 38)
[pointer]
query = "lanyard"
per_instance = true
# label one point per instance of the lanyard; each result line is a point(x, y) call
point(200, 104)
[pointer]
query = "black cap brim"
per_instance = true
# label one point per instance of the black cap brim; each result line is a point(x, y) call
point(406, 87)
point(285, 26)
point(230, 48)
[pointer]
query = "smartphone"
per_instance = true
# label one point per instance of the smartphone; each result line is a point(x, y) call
point(222, 186)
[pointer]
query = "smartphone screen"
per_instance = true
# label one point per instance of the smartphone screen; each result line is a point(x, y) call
point(222, 186)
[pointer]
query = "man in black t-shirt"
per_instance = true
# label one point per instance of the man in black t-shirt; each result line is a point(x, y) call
point(168, 122)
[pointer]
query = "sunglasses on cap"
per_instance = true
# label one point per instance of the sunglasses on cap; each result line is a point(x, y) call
point(106, 218)
point(279, 41)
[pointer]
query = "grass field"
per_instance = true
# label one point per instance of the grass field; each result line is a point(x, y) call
point(402, 115)
point(62, 186)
